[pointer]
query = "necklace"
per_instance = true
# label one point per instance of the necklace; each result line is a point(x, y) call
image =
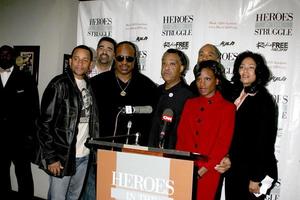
point(123, 90)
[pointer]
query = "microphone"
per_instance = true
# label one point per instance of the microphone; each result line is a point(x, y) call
point(167, 118)
point(137, 110)
point(137, 135)
point(129, 124)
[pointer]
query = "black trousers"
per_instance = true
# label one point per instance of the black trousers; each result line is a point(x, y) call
point(23, 175)
point(237, 185)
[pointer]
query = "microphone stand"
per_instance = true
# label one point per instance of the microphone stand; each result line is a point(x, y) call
point(161, 142)
point(116, 125)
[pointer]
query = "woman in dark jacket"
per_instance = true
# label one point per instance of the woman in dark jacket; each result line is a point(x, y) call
point(252, 149)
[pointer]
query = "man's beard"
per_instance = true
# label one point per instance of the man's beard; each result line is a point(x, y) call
point(103, 59)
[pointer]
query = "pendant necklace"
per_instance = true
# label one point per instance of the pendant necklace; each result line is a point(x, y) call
point(123, 90)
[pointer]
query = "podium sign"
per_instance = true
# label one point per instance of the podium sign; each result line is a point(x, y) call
point(131, 176)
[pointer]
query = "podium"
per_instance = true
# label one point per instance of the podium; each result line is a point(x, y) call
point(131, 172)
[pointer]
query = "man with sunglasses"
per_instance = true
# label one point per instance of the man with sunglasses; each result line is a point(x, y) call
point(122, 86)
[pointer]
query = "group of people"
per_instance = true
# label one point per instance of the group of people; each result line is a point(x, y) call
point(233, 123)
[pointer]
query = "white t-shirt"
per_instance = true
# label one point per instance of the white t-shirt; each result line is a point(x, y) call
point(83, 126)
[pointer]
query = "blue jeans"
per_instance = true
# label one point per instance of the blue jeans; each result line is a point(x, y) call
point(89, 192)
point(69, 187)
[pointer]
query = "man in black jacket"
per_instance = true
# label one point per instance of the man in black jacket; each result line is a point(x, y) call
point(19, 109)
point(68, 118)
point(172, 95)
point(122, 86)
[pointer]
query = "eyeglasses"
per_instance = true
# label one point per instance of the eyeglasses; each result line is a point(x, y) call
point(128, 58)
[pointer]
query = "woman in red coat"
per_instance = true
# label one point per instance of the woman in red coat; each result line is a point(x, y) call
point(206, 127)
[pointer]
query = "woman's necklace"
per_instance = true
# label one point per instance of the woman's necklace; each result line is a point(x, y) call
point(123, 90)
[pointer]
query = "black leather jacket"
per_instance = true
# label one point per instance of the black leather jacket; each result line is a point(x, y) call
point(57, 126)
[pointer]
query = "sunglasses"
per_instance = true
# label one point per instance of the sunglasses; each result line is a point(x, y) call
point(128, 58)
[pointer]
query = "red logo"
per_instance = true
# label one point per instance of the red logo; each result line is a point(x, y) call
point(167, 118)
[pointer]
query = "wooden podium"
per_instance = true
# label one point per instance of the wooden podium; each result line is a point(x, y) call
point(131, 172)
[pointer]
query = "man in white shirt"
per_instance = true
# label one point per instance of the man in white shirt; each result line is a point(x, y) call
point(19, 105)
point(105, 56)
point(68, 117)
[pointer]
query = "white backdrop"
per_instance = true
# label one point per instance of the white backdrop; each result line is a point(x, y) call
point(264, 26)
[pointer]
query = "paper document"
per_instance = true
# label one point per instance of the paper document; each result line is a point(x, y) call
point(266, 183)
